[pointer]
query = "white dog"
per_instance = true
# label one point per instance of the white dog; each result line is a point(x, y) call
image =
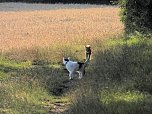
point(73, 67)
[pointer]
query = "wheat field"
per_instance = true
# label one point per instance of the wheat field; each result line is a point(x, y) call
point(41, 28)
point(35, 37)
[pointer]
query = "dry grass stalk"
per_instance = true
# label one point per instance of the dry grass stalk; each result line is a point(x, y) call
point(28, 29)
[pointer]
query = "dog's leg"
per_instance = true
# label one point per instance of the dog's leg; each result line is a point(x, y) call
point(80, 74)
point(70, 75)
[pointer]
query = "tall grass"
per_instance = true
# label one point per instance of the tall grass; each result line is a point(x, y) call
point(120, 80)
point(27, 88)
point(32, 78)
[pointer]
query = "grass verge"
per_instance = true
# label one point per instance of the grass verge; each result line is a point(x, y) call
point(118, 80)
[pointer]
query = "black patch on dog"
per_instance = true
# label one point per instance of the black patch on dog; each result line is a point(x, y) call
point(80, 64)
point(66, 59)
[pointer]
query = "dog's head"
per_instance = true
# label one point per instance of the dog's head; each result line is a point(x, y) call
point(65, 60)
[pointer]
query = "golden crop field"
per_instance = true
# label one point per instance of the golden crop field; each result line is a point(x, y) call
point(27, 29)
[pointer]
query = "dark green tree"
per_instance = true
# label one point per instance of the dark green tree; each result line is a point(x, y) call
point(136, 15)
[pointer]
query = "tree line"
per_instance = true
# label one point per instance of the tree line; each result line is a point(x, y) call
point(65, 1)
point(137, 16)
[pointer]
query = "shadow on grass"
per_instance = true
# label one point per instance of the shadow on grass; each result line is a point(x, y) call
point(31, 89)
point(18, 98)
point(127, 66)
point(130, 64)
point(53, 78)
point(7, 69)
point(92, 105)
point(124, 107)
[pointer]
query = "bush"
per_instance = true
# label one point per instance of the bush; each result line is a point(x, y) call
point(136, 15)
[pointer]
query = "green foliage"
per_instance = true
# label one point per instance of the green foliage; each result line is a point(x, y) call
point(136, 15)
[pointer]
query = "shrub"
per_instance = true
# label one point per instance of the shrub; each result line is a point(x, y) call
point(136, 15)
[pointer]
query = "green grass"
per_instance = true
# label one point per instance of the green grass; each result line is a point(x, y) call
point(110, 96)
point(118, 80)
point(21, 96)
point(131, 41)
point(22, 89)
point(14, 64)
point(126, 102)
point(8, 67)
point(3, 75)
